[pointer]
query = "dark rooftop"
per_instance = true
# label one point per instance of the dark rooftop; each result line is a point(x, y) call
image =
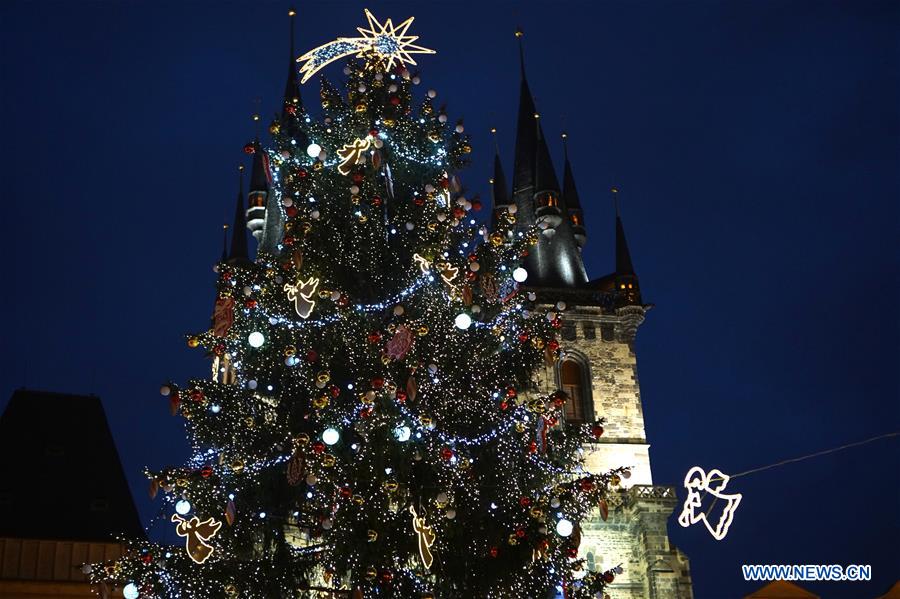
point(60, 473)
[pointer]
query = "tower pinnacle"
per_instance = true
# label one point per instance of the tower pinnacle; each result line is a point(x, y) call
point(239, 252)
point(571, 199)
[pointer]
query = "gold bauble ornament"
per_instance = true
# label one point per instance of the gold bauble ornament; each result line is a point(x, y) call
point(434, 137)
point(390, 485)
point(193, 342)
point(181, 482)
point(388, 122)
point(363, 218)
point(513, 540)
point(320, 402)
point(249, 421)
point(361, 107)
point(614, 480)
point(302, 439)
point(323, 376)
point(537, 342)
point(317, 165)
point(358, 499)
point(274, 128)
point(496, 239)
point(237, 465)
point(354, 200)
point(422, 331)
point(520, 427)
point(467, 149)
point(371, 573)
point(328, 460)
point(290, 350)
point(372, 535)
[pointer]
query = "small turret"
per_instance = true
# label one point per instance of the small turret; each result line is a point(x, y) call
point(259, 192)
point(627, 288)
point(547, 209)
point(239, 251)
point(571, 200)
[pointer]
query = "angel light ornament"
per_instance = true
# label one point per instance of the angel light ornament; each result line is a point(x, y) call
point(301, 294)
point(196, 535)
point(700, 483)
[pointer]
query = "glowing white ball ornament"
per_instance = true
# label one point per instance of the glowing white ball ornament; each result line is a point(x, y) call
point(312, 150)
point(330, 436)
point(520, 274)
point(256, 339)
point(130, 591)
point(402, 433)
point(564, 527)
point(463, 321)
point(182, 507)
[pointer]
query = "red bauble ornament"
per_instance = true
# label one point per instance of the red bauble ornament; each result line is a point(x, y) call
point(303, 173)
point(318, 447)
point(511, 392)
point(504, 404)
point(458, 212)
point(250, 303)
point(395, 100)
point(419, 201)
point(147, 558)
point(335, 391)
point(553, 345)
point(291, 211)
point(532, 447)
point(597, 431)
point(401, 395)
point(288, 240)
point(524, 501)
point(358, 177)
point(312, 355)
point(249, 148)
point(520, 533)
point(343, 301)
point(523, 337)
point(387, 576)
point(556, 324)
point(197, 395)
point(226, 275)
point(476, 205)
point(572, 552)
point(493, 552)
point(374, 337)
point(608, 577)
point(219, 349)
point(373, 132)
point(346, 492)
point(206, 471)
point(290, 109)
point(366, 412)
point(587, 484)
point(376, 201)
point(377, 383)
point(446, 454)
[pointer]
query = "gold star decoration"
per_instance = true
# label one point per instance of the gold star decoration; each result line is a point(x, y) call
point(387, 42)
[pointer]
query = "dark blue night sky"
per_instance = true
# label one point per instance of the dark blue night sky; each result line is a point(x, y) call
point(755, 145)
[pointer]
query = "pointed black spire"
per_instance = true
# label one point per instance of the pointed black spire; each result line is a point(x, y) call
point(544, 173)
point(499, 189)
point(239, 252)
point(526, 147)
point(224, 243)
point(259, 191)
point(292, 100)
point(571, 200)
point(623, 256)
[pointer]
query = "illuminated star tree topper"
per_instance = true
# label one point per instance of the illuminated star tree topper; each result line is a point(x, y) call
point(384, 42)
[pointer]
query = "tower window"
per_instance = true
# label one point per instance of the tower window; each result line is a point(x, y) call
point(572, 382)
point(548, 199)
point(576, 219)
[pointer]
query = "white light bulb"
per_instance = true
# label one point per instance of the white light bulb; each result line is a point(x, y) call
point(256, 339)
point(130, 591)
point(330, 436)
point(313, 150)
point(182, 506)
point(564, 528)
point(520, 274)
point(463, 321)
point(402, 433)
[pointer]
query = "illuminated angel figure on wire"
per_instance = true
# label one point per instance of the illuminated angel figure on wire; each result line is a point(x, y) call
point(699, 483)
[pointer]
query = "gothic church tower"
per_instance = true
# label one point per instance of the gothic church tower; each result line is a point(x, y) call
point(598, 367)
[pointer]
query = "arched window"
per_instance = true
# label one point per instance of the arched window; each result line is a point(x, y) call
point(573, 381)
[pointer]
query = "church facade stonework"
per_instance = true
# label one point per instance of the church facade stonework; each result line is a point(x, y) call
point(634, 535)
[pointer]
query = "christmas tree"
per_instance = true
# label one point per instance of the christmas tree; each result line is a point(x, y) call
point(371, 429)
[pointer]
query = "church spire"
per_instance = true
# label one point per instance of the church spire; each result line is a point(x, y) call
point(571, 199)
point(526, 144)
point(239, 252)
point(224, 243)
point(499, 190)
point(626, 279)
point(292, 100)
